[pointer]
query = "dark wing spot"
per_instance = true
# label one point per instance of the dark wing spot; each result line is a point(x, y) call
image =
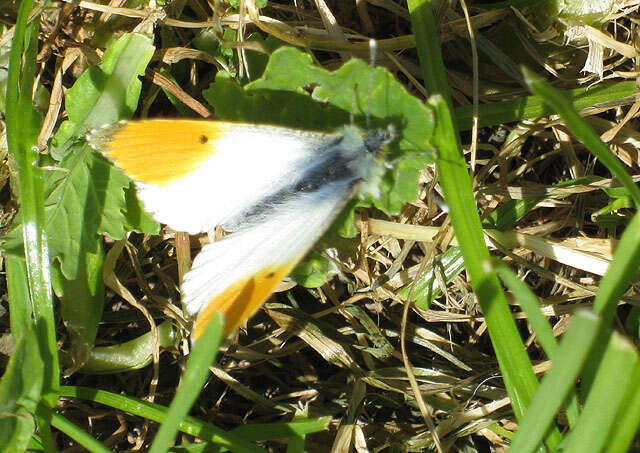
point(270, 275)
point(203, 139)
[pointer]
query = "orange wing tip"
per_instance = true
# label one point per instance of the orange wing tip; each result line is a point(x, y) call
point(158, 152)
point(241, 299)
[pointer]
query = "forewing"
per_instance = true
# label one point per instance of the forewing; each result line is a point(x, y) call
point(194, 175)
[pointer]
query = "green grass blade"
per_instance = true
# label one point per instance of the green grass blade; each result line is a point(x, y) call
point(518, 109)
point(616, 375)
point(529, 304)
point(428, 47)
point(18, 292)
point(520, 381)
point(539, 323)
point(300, 426)
point(459, 196)
point(619, 276)
point(294, 430)
point(582, 131)
point(158, 413)
point(494, 53)
point(22, 130)
point(193, 380)
point(517, 370)
point(556, 385)
point(628, 418)
point(621, 273)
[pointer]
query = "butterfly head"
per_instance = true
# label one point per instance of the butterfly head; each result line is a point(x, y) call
point(378, 138)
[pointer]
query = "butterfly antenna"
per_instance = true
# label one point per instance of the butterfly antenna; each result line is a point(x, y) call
point(373, 47)
point(354, 104)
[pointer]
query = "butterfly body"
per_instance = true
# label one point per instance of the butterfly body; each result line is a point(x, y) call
point(276, 189)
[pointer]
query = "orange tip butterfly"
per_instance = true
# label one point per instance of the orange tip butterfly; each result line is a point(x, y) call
point(276, 189)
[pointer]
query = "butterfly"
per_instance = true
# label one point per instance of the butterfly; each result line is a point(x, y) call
point(275, 189)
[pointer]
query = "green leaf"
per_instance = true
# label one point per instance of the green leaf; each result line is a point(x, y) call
point(20, 389)
point(105, 93)
point(82, 302)
point(313, 272)
point(128, 356)
point(136, 218)
point(86, 198)
point(296, 93)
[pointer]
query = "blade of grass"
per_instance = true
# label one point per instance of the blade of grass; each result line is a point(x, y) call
point(193, 380)
point(628, 417)
point(511, 110)
point(520, 381)
point(495, 53)
point(540, 325)
point(22, 132)
point(18, 290)
point(296, 442)
point(621, 273)
point(582, 131)
point(300, 426)
point(428, 47)
point(529, 304)
point(615, 376)
point(294, 430)
point(514, 363)
point(574, 350)
point(619, 276)
point(157, 413)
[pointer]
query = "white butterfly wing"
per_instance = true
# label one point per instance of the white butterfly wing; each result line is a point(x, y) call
point(236, 274)
point(194, 175)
